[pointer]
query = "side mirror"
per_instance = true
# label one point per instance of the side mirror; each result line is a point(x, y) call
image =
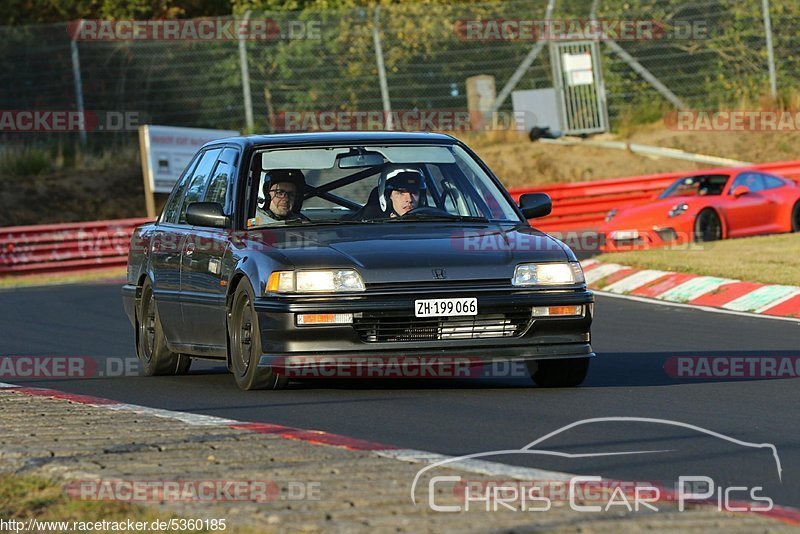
point(535, 205)
point(209, 214)
point(740, 190)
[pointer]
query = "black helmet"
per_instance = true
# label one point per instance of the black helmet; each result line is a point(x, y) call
point(278, 176)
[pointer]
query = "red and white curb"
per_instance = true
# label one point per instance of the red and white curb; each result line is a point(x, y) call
point(724, 294)
point(318, 437)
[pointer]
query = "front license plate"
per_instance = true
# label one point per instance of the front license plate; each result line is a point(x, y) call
point(445, 307)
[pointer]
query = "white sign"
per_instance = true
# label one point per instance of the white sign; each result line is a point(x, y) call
point(169, 150)
point(578, 68)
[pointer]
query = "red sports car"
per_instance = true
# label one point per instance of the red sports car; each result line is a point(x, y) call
point(707, 207)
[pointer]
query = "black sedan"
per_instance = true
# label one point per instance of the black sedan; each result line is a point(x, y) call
point(343, 251)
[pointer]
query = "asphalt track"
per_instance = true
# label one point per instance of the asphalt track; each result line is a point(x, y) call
point(632, 339)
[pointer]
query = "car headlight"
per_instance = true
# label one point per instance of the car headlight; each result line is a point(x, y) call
point(332, 280)
point(536, 274)
point(678, 209)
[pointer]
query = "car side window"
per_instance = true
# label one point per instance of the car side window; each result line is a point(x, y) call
point(771, 182)
point(752, 180)
point(170, 213)
point(199, 181)
point(220, 183)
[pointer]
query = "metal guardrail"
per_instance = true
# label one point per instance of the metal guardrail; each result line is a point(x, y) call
point(70, 247)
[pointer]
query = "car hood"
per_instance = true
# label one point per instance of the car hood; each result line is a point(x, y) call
point(397, 252)
point(654, 213)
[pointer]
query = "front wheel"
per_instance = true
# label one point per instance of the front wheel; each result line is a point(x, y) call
point(796, 217)
point(151, 345)
point(707, 226)
point(561, 373)
point(245, 345)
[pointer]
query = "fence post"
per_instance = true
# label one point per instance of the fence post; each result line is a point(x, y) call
point(523, 67)
point(376, 37)
point(76, 75)
point(773, 81)
point(248, 100)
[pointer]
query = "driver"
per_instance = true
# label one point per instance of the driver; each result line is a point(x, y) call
point(403, 191)
point(283, 193)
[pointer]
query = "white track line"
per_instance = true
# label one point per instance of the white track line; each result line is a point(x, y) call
point(194, 419)
point(695, 307)
point(481, 467)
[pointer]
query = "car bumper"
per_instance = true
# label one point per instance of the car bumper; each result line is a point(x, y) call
point(559, 337)
point(644, 239)
point(129, 294)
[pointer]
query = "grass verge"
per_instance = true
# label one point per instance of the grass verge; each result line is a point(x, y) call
point(23, 498)
point(773, 259)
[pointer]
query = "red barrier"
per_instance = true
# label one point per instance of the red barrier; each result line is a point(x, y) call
point(100, 244)
point(65, 247)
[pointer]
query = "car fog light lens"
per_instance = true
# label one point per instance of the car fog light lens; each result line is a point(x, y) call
point(558, 311)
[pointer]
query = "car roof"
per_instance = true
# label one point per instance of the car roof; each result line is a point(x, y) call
point(333, 138)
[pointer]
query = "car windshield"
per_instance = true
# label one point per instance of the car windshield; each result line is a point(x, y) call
point(375, 184)
point(693, 186)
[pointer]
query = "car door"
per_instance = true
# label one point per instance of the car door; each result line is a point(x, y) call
point(165, 257)
point(169, 245)
point(203, 295)
point(748, 213)
point(774, 192)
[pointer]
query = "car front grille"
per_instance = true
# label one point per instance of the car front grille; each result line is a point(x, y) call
point(381, 328)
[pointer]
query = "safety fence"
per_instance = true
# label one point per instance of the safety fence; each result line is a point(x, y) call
point(70, 247)
point(698, 54)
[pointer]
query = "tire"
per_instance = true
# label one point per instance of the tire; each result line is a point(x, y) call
point(707, 226)
point(151, 345)
point(245, 344)
point(561, 373)
point(796, 218)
